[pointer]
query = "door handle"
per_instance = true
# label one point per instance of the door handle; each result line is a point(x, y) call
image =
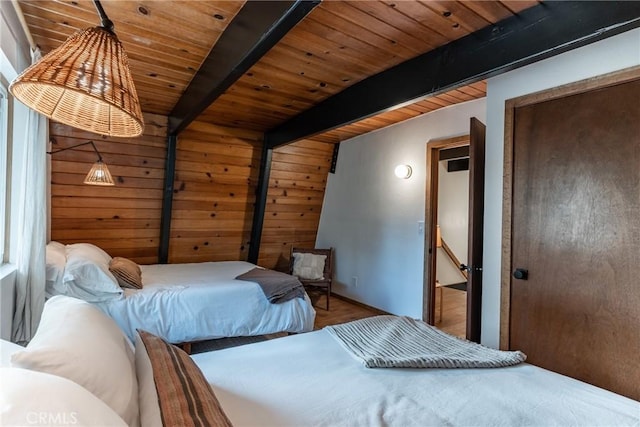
point(469, 268)
point(521, 274)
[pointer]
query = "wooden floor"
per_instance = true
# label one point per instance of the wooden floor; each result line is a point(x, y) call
point(454, 312)
point(341, 311)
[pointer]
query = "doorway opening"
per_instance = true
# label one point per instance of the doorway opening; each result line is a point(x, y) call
point(452, 237)
point(453, 233)
point(449, 197)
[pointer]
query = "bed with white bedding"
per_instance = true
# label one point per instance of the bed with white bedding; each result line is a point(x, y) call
point(193, 302)
point(179, 302)
point(311, 380)
point(301, 380)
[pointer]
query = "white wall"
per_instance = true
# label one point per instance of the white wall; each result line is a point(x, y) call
point(608, 55)
point(453, 218)
point(371, 217)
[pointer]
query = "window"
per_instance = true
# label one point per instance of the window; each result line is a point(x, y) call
point(4, 125)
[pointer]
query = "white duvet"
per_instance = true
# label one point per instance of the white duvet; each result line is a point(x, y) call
point(310, 380)
point(193, 302)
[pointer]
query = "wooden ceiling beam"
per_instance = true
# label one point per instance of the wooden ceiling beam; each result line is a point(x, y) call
point(534, 34)
point(257, 27)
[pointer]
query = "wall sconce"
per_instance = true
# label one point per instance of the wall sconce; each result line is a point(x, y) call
point(85, 83)
point(99, 173)
point(438, 237)
point(403, 171)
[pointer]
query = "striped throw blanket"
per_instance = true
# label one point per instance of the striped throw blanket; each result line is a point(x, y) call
point(402, 342)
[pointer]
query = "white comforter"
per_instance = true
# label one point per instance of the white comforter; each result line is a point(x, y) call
point(310, 380)
point(192, 302)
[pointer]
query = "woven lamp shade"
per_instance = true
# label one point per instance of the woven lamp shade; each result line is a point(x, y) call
point(99, 175)
point(84, 83)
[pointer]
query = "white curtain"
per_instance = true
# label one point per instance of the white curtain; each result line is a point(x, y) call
point(32, 207)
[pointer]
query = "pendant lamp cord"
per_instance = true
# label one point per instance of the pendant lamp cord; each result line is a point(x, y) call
point(107, 24)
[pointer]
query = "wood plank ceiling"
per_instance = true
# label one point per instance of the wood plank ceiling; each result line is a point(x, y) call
point(166, 41)
point(337, 45)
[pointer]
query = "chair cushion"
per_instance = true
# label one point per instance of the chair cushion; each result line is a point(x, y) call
point(308, 266)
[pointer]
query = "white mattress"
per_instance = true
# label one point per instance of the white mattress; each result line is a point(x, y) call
point(192, 302)
point(310, 380)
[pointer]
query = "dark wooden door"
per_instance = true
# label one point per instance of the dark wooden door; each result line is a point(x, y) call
point(576, 230)
point(476, 215)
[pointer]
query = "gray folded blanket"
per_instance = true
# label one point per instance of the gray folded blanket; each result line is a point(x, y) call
point(402, 342)
point(277, 287)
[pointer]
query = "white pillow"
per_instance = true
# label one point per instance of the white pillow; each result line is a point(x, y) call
point(7, 348)
point(87, 274)
point(308, 266)
point(77, 341)
point(30, 398)
point(56, 259)
point(150, 415)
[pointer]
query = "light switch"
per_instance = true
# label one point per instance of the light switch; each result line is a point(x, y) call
point(420, 227)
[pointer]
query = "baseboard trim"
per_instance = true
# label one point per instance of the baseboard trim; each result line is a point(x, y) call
point(358, 303)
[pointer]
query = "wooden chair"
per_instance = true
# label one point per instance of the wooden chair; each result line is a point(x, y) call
point(323, 284)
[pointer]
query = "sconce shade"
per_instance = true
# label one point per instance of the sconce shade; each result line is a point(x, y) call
point(84, 83)
point(403, 171)
point(99, 175)
point(438, 237)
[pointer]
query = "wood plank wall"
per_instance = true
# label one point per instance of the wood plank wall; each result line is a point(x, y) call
point(124, 220)
point(217, 171)
point(214, 193)
point(294, 201)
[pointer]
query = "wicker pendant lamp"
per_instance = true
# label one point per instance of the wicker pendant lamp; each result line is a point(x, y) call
point(85, 83)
